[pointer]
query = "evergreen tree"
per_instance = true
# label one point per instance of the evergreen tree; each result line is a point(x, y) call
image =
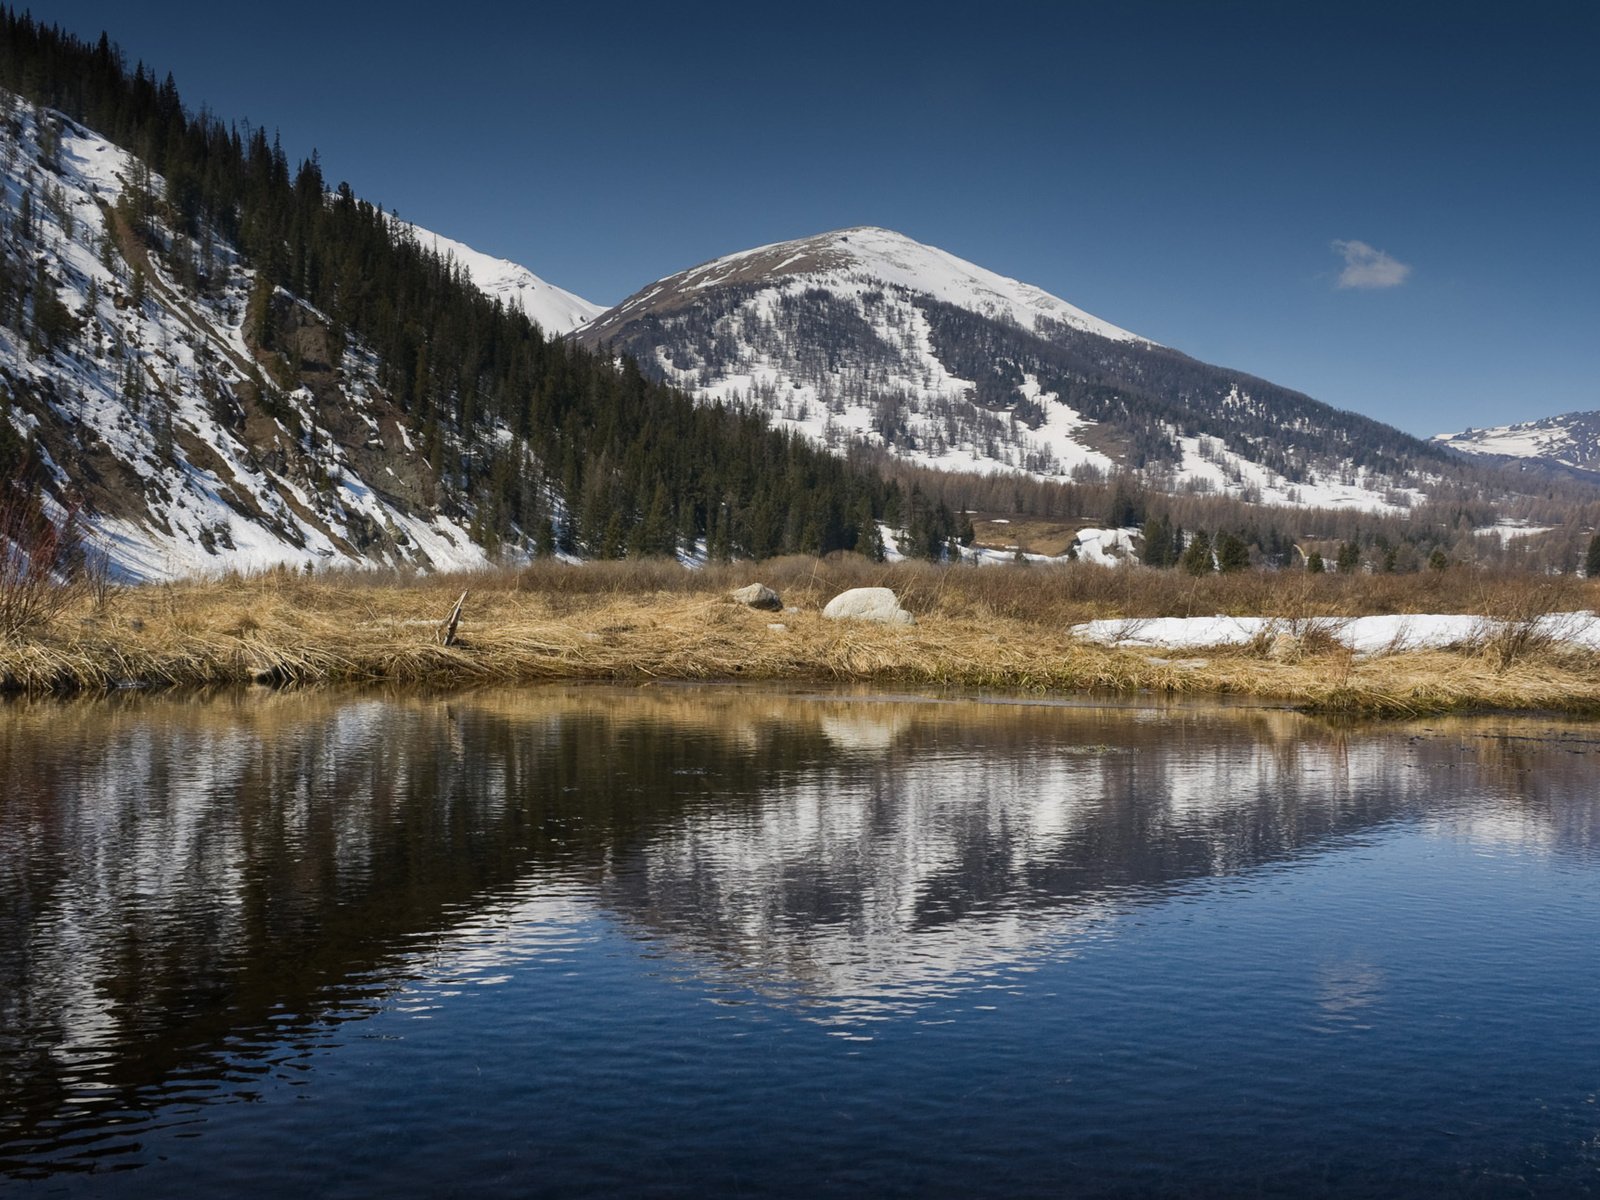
point(1197, 556)
point(1126, 506)
point(1314, 563)
point(1232, 553)
point(1349, 558)
point(1159, 550)
point(1591, 561)
point(655, 531)
point(52, 320)
point(719, 546)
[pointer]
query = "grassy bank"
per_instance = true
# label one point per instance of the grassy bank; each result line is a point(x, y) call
point(990, 628)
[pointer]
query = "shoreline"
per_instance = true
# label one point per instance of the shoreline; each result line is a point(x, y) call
point(288, 631)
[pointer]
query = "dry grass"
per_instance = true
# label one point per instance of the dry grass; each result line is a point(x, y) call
point(986, 628)
point(1033, 536)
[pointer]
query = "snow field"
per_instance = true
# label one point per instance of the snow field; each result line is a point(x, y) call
point(1364, 635)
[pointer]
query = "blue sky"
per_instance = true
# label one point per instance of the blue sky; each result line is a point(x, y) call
point(1395, 208)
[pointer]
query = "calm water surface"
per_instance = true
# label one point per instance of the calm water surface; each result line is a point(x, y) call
point(711, 941)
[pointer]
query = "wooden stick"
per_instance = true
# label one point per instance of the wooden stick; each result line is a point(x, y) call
point(447, 633)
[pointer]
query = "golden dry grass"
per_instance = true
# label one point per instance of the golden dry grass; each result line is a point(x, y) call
point(1005, 628)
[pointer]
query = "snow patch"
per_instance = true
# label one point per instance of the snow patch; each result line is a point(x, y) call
point(1364, 635)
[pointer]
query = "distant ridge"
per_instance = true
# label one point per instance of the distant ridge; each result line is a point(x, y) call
point(556, 310)
point(1566, 444)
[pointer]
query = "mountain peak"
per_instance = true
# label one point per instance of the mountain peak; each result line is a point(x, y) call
point(884, 256)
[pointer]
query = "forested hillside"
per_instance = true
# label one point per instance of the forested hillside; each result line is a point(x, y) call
point(519, 438)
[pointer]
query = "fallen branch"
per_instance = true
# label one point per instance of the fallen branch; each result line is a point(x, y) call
point(447, 631)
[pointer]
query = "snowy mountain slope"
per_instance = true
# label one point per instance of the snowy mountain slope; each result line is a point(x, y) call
point(879, 256)
point(1566, 443)
point(557, 311)
point(127, 368)
point(864, 335)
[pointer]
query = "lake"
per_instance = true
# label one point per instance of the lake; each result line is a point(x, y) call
point(678, 941)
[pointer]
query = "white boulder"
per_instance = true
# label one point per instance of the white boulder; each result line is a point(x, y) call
point(868, 604)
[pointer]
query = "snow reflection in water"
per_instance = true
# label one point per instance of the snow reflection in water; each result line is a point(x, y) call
point(200, 896)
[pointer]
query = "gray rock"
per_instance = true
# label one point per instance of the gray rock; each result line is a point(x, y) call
point(759, 595)
point(868, 604)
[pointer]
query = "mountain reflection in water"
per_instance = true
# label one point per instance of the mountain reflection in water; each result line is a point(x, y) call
point(197, 895)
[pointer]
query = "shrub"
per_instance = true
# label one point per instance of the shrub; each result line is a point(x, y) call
point(39, 561)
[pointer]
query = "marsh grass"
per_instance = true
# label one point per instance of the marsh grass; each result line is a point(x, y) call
point(990, 627)
point(1524, 619)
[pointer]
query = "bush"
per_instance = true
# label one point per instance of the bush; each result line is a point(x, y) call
point(39, 562)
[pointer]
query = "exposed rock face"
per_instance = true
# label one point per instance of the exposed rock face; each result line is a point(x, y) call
point(759, 596)
point(868, 604)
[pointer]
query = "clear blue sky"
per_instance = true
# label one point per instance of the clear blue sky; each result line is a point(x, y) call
point(1201, 172)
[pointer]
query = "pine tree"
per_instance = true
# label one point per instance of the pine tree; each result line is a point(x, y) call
point(613, 542)
point(1314, 563)
point(1232, 553)
point(655, 531)
point(1591, 561)
point(720, 544)
point(1158, 548)
point(1125, 507)
point(52, 320)
point(1349, 558)
point(1197, 557)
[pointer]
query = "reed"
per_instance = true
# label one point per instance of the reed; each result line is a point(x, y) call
point(990, 627)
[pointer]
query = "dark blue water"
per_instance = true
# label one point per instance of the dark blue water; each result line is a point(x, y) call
point(688, 941)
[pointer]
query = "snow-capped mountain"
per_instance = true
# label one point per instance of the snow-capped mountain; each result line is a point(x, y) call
point(557, 311)
point(880, 256)
point(865, 335)
point(141, 394)
point(1569, 443)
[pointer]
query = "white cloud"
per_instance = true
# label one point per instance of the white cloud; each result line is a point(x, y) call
point(1365, 267)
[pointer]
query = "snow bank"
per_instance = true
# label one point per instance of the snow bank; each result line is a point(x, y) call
point(1106, 547)
point(1365, 635)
